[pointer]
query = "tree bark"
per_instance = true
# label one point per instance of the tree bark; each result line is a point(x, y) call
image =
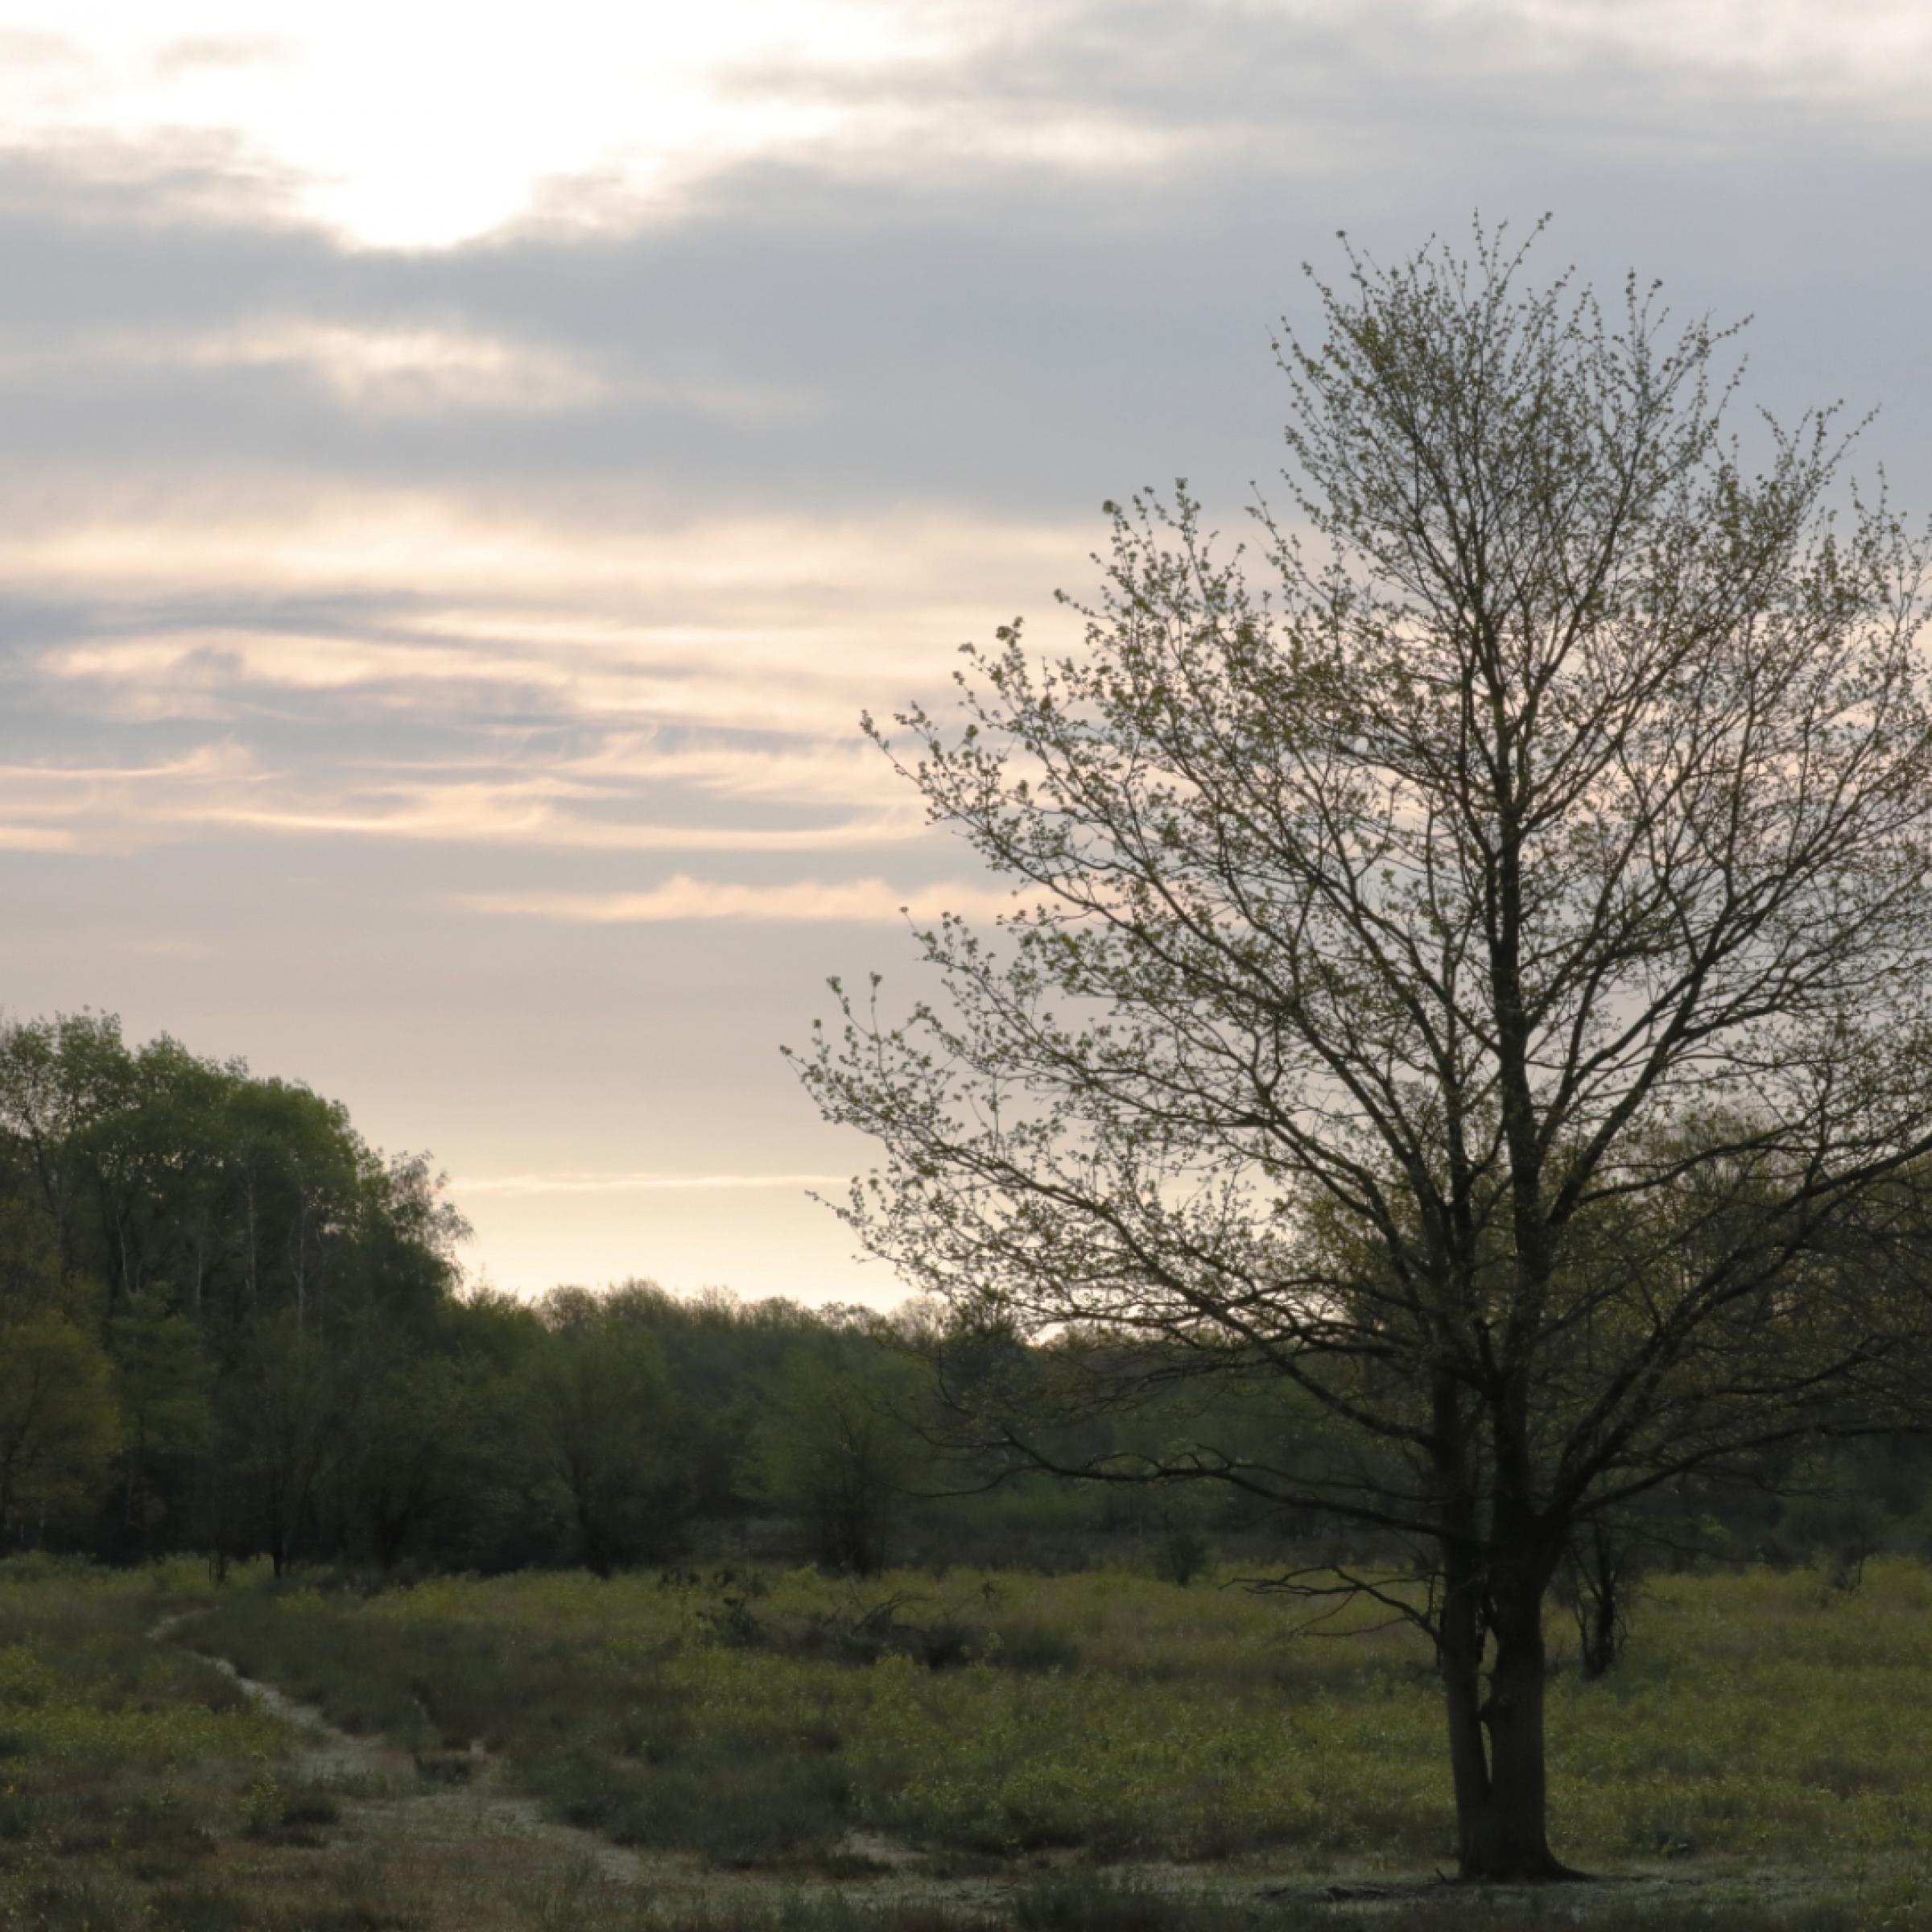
point(1495, 1741)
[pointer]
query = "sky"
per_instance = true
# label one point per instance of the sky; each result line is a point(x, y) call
point(464, 471)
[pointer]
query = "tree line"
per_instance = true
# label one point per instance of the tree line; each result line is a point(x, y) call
point(229, 1327)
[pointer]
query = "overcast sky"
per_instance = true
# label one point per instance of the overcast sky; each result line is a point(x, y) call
point(465, 469)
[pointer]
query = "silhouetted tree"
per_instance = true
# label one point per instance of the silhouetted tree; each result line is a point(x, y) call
point(1467, 981)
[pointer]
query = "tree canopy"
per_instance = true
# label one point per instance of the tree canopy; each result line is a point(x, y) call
point(1470, 965)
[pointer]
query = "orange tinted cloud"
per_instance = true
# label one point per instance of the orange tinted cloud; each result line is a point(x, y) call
point(870, 901)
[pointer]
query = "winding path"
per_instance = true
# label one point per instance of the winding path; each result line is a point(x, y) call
point(475, 1806)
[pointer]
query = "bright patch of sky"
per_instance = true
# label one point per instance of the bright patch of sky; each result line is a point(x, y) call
point(429, 125)
point(414, 126)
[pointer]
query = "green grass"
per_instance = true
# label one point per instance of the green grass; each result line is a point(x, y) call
point(1758, 1716)
point(118, 1756)
point(1095, 1752)
point(141, 1791)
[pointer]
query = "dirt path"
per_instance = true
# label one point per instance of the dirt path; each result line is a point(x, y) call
point(391, 1790)
point(452, 1816)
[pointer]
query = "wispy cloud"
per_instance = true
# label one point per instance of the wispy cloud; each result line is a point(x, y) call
point(76, 808)
point(793, 770)
point(695, 691)
point(867, 901)
point(403, 369)
point(392, 365)
point(37, 838)
point(221, 787)
point(647, 1182)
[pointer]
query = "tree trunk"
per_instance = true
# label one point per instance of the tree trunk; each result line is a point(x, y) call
point(1601, 1573)
point(1496, 1742)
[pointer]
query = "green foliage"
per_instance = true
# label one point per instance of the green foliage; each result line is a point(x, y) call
point(266, 1805)
point(163, 1380)
point(597, 1402)
point(1753, 1764)
point(167, 1223)
point(835, 1450)
point(59, 1426)
point(231, 1328)
point(104, 1733)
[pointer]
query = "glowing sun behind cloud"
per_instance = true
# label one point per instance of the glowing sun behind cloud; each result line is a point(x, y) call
point(414, 126)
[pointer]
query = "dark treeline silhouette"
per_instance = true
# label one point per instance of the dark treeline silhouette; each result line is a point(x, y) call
point(227, 1326)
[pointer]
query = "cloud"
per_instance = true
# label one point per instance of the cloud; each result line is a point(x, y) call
point(1159, 99)
point(869, 901)
point(27, 49)
point(535, 138)
point(340, 100)
point(82, 807)
point(197, 52)
point(802, 343)
point(896, 312)
point(401, 365)
point(37, 838)
point(111, 186)
point(220, 788)
point(599, 570)
point(737, 766)
point(695, 690)
point(1879, 54)
point(728, 660)
point(400, 369)
point(514, 814)
point(640, 1183)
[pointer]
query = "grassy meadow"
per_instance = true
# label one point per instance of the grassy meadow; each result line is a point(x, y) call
point(920, 1751)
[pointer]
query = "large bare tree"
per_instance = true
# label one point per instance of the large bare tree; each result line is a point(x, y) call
point(1477, 979)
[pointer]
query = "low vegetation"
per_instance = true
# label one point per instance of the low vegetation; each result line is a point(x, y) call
point(790, 1724)
point(1100, 1751)
point(238, 1363)
point(756, 1721)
